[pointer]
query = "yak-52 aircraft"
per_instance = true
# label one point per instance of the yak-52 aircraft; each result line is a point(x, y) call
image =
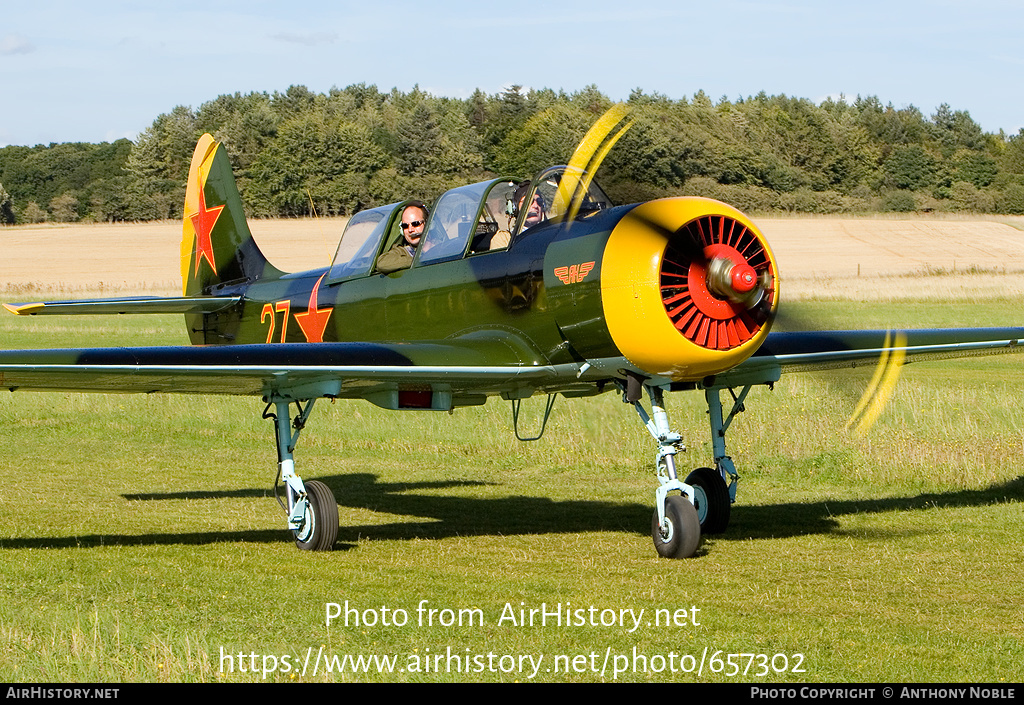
point(674, 294)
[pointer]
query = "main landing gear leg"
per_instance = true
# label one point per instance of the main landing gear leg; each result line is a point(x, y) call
point(311, 507)
point(713, 498)
point(675, 527)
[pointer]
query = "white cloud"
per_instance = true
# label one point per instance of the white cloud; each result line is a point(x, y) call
point(15, 44)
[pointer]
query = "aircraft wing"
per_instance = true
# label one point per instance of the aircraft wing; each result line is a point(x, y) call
point(824, 350)
point(359, 370)
point(299, 370)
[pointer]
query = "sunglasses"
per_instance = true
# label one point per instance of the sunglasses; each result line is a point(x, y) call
point(413, 224)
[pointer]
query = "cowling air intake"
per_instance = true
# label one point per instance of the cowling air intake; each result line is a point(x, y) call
point(689, 287)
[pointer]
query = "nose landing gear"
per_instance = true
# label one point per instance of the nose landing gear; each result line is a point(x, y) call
point(702, 503)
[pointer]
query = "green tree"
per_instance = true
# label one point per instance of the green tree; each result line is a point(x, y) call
point(909, 167)
point(420, 143)
point(33, 213)
point(967, 197)
point(330, 161)
point(358, 146)
point(1012, 199)
point(244, 124)
point(163, 151)
point(508, 111)
point(295, 101)
point(955, 129)
point(1013, 155)
point(6, 207)
point(591, 101)
point(159, 164)
point(899, 202)
point(436, 141)
point(974, 167)
point(111, 200)
point(548, 138)
point(643, 164)
point(64, 208)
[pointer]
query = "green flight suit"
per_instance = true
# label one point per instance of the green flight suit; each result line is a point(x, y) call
point(398, 257)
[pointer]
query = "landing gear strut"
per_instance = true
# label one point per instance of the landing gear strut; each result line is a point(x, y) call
point(311, 508)
point(704, 500)
point(718, 496)
point(675, 528)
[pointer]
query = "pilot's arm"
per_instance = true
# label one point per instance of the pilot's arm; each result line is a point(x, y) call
point(398, 257)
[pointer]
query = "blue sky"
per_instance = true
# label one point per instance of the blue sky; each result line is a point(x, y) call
point(73, 71)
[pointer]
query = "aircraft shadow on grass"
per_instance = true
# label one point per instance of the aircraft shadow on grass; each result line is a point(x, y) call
point(797, 519)
point(448, 516)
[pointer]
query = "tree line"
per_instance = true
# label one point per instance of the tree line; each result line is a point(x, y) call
point(359, 147)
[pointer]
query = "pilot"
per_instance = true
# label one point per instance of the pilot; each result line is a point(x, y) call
point(414, 217)
point(537, 212)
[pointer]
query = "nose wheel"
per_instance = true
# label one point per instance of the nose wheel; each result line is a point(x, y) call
point(678, 536)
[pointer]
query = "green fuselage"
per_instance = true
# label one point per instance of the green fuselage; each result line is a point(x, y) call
point(509, 297)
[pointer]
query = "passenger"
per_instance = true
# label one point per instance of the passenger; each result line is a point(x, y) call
point(414, 217)
point(537, 212)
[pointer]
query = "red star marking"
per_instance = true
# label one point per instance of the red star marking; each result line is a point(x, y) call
point(314, 321)
point(203, 222)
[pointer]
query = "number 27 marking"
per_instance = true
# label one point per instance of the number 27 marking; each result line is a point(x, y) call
point(268, 312)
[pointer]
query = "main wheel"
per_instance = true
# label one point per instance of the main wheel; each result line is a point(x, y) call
point(679, 537)
point(319, 528)
point(711, 499)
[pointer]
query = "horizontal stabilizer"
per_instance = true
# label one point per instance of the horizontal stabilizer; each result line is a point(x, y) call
point(142, 304)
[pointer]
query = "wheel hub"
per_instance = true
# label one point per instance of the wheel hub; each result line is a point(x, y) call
point(667, 530)
point(700, 503)
point(308, 524)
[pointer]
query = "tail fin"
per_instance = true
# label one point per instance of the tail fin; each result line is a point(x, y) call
point(216, 245)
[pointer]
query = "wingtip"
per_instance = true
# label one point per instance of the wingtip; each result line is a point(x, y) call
point(24, 309)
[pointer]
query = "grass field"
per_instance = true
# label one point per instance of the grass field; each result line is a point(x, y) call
point(140, 540)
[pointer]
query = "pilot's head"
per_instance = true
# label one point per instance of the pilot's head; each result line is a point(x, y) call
point(413, 218)
point(535, 212)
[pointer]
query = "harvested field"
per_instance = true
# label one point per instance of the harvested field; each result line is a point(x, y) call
point(890, 259)
point(867, 258)
point(139, 258)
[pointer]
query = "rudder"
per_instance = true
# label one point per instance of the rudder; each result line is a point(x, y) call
point(216, 244)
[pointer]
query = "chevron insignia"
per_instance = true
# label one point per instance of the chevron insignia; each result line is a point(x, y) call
point(575, 273)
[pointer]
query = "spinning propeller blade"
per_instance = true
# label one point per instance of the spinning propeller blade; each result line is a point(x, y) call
point(587, 158)
point(882, 385)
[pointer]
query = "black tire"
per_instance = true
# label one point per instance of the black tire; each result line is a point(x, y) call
point(711, 499)
point(681, 535)
point(319, 531)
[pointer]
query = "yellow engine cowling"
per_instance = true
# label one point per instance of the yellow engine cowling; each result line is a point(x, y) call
point(689, 287)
